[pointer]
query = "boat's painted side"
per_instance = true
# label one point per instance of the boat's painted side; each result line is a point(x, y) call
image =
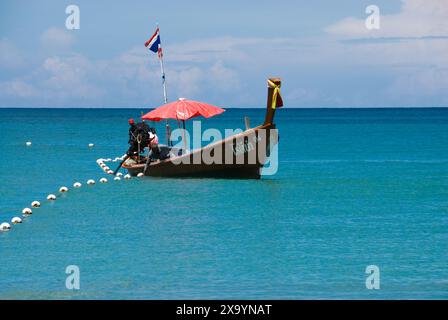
point(238, 156)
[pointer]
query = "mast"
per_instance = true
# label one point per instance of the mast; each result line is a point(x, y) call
point(165, 98)
point(162, 70)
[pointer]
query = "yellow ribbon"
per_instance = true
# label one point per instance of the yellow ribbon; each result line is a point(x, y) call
point(275, 94)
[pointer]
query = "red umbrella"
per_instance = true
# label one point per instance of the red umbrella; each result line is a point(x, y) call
point(183, 109)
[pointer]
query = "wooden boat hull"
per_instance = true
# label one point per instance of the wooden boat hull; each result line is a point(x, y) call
point(237, 157)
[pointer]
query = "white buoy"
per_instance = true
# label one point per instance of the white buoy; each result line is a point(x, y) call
point(106, 168)
point(16, 220)
point(117, 178)
point(140, 174)
point(90, 181)
point(77, 185)
point(110, 172)
point(103, 180)
point(28, 143)
point(5, 226)
point(127, 176)
point(119, 174)
point(51, 197)
point(35, 204)
point(27, 211)
point(91, 145)
point(102, 165)
point(63, 189)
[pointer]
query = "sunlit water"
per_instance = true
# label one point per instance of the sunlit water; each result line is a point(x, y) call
point(354, 188)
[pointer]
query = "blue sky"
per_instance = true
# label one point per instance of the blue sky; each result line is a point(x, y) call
point(222, 52)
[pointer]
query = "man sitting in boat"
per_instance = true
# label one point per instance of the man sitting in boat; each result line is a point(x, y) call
point(153, 144)
point(154, 149)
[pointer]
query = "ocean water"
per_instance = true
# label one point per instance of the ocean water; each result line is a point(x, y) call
point(355, 187)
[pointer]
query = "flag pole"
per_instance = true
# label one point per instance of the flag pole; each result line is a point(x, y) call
point(165, 98)
point(163, 73)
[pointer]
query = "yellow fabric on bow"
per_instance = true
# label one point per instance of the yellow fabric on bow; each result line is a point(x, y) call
point(275, 94)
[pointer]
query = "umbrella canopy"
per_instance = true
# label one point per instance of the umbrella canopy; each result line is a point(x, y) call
point(183, 109)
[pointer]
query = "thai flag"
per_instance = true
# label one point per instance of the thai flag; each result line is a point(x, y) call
point(154, 43)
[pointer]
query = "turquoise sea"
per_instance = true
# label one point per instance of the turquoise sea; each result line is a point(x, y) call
point(355, 187)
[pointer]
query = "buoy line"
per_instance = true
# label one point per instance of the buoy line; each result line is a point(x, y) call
point(5, 226)
point(51, 197)
point(16, 220)
point(35, 204)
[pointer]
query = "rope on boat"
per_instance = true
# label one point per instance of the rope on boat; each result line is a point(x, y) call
point(5, 226)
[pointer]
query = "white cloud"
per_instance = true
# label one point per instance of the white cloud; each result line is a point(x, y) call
point(57, 39)
point(10, 56)
point(417, 18)
point(416, 83)
point(18, 89)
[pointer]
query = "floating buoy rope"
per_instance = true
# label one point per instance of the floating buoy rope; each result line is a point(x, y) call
point(35, 204)
point(16, 220)
point(27, 211)
point(5, 226)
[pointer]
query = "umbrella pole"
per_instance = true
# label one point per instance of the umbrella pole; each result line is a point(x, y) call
point(183, 136)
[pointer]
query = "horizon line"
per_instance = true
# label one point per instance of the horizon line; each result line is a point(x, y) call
point(285, 107)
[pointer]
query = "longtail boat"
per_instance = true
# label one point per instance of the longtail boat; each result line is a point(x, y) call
point(238, 156)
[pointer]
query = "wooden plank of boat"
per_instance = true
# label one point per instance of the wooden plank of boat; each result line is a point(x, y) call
point(238, 156)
